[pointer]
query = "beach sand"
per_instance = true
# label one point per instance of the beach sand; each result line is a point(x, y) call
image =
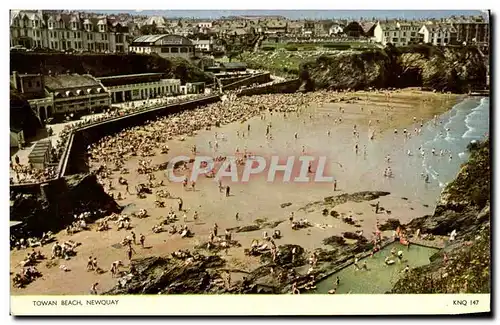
point(259, 199)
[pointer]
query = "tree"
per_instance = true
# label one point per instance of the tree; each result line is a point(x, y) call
point(149, 29)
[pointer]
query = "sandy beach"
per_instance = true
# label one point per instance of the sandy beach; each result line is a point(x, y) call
point(324, 127)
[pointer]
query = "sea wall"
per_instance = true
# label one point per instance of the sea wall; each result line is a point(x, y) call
point(289, 86)
point(83, 137)
point(256, 79)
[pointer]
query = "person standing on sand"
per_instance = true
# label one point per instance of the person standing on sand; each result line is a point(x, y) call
point(237, 216)
point(90, 264)
point(377, 207)
point(93, 289)
point(142, 238)
point(179, 201)
point(129, 252)
point(335, 185)
point(228, 189)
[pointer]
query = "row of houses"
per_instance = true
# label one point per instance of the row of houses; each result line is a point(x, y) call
point(471, 31)
point(62, 31)
point(67, 31)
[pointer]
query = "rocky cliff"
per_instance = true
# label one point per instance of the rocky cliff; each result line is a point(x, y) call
point(455, 69)
point(58, 202)
point(100, 65)
point(463, 266)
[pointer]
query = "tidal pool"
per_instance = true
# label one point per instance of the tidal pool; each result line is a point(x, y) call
point(379, 278)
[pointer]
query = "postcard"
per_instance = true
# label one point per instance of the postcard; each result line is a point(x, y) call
point(250, 162)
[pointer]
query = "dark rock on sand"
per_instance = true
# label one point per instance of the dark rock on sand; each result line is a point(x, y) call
point(284, 205)
point(334, 241)
point(332, 201)
point(390, 224)
point(284, 256)
point(167, 275)
point(60, 200)
point(351, 235)
point(260, 224)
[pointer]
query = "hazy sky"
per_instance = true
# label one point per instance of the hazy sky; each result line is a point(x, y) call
point(298, 14)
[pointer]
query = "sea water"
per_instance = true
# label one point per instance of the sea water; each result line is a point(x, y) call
point(451, 132)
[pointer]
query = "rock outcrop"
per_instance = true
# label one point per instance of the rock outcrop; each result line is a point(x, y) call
point(455, 69)
point(162, 275)
point(59, 201)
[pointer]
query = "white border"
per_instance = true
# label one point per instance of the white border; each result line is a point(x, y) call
point(217, 4)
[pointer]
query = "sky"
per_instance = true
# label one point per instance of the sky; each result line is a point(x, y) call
point(299, 14)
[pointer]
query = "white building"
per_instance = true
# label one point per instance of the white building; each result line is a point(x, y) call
point(398, 33)
point(203, 45)
point(164, 45)
point(61, 94)
point(36, 29)
point(335, 29)
point(205, 24)
point(437, 34)
point(124, 88)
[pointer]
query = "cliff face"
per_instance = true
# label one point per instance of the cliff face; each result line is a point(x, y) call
point(455, 69)
point(100, 65)
point(465, 207)
point(21, 115)
point(60, 201)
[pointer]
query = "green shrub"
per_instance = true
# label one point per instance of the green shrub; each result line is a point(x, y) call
point(291, 48)
point(340, 47)
point(268, 48)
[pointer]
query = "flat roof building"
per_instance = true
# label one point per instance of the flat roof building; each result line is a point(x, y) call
point(165, 45)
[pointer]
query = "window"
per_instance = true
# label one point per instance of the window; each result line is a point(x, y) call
point(56, 45)
point(183, 49)
point(394, 40)
point(174, 50)
point(404, 34)
point(29, 84)
point(74, 34)
point(78, 34)
point(102, 102)
point(164, 50)
point(38, 83)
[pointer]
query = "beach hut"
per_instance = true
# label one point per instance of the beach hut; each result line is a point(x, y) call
point(39, 157)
